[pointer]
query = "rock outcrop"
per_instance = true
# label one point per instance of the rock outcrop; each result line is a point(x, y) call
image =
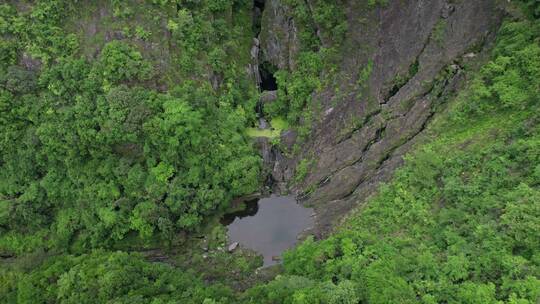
point(415, 50)
point(279, 36)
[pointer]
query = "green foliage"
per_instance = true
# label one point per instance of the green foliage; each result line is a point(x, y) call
point(107, 277)
point(302, 170)
point(532, 7)
point(219, 5)
point(511, 80)
point(92, 153)
point(374, 3)
point(295, 88)
point(301, 290)
point(120, 62)
point(323, 26)
point(365, 73)
point(438, 32)
point(141, 33)
point(330, 17)
point(325, 15)
point(41, 32)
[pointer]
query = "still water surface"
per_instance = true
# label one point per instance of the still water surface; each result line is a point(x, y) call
point(269, 225)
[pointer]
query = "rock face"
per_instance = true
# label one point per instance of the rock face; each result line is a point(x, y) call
point(268, 97)
point(416, 49)
point(278, 38)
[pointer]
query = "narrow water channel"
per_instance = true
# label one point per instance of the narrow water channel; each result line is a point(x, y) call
point(269, 226)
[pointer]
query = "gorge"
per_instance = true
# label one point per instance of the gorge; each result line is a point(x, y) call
point(270, 151)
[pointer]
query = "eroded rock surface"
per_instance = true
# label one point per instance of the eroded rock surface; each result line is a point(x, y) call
point(416, 49)
point(279, 35)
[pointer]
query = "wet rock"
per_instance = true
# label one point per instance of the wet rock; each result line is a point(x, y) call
point(288, 139)
point(282, 172)
point(253, 71)
point(265, 147)
point(233, 246)
point(276, 258)
point(263, 124)
point(255, 49)
point(268, 97)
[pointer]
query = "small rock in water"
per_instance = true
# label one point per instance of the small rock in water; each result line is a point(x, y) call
point(276, 258)
point(233, 246)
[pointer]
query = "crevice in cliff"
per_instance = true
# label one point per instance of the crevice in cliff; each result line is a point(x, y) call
point(367, 119)
point(387, 156)
point(263, 73)
point(258, 8)
point(439, 91)
point(400, 81)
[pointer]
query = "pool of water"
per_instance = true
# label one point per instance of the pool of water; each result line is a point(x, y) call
point(269, 225)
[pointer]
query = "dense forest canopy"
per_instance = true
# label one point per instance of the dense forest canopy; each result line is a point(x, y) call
point(129, 131)
point(94, 148)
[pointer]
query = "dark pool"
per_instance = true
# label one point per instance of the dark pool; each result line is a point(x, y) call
point(269, 225)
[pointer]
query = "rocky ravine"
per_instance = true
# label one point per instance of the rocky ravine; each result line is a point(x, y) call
point(417, 49)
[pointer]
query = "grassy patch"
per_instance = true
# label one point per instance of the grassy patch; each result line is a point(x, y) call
point(278, 124)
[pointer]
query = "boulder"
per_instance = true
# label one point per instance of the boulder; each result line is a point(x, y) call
point(263, 124)
point(233, 246)
point(268, 97)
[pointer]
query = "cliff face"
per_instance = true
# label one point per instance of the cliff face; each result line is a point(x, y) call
point(399, 64)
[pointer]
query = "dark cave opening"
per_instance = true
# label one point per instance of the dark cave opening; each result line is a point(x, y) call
point(268, 80)
point(259, 4)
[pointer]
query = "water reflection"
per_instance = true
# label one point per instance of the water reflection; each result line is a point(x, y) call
point(269, 225)
point(251, 209)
